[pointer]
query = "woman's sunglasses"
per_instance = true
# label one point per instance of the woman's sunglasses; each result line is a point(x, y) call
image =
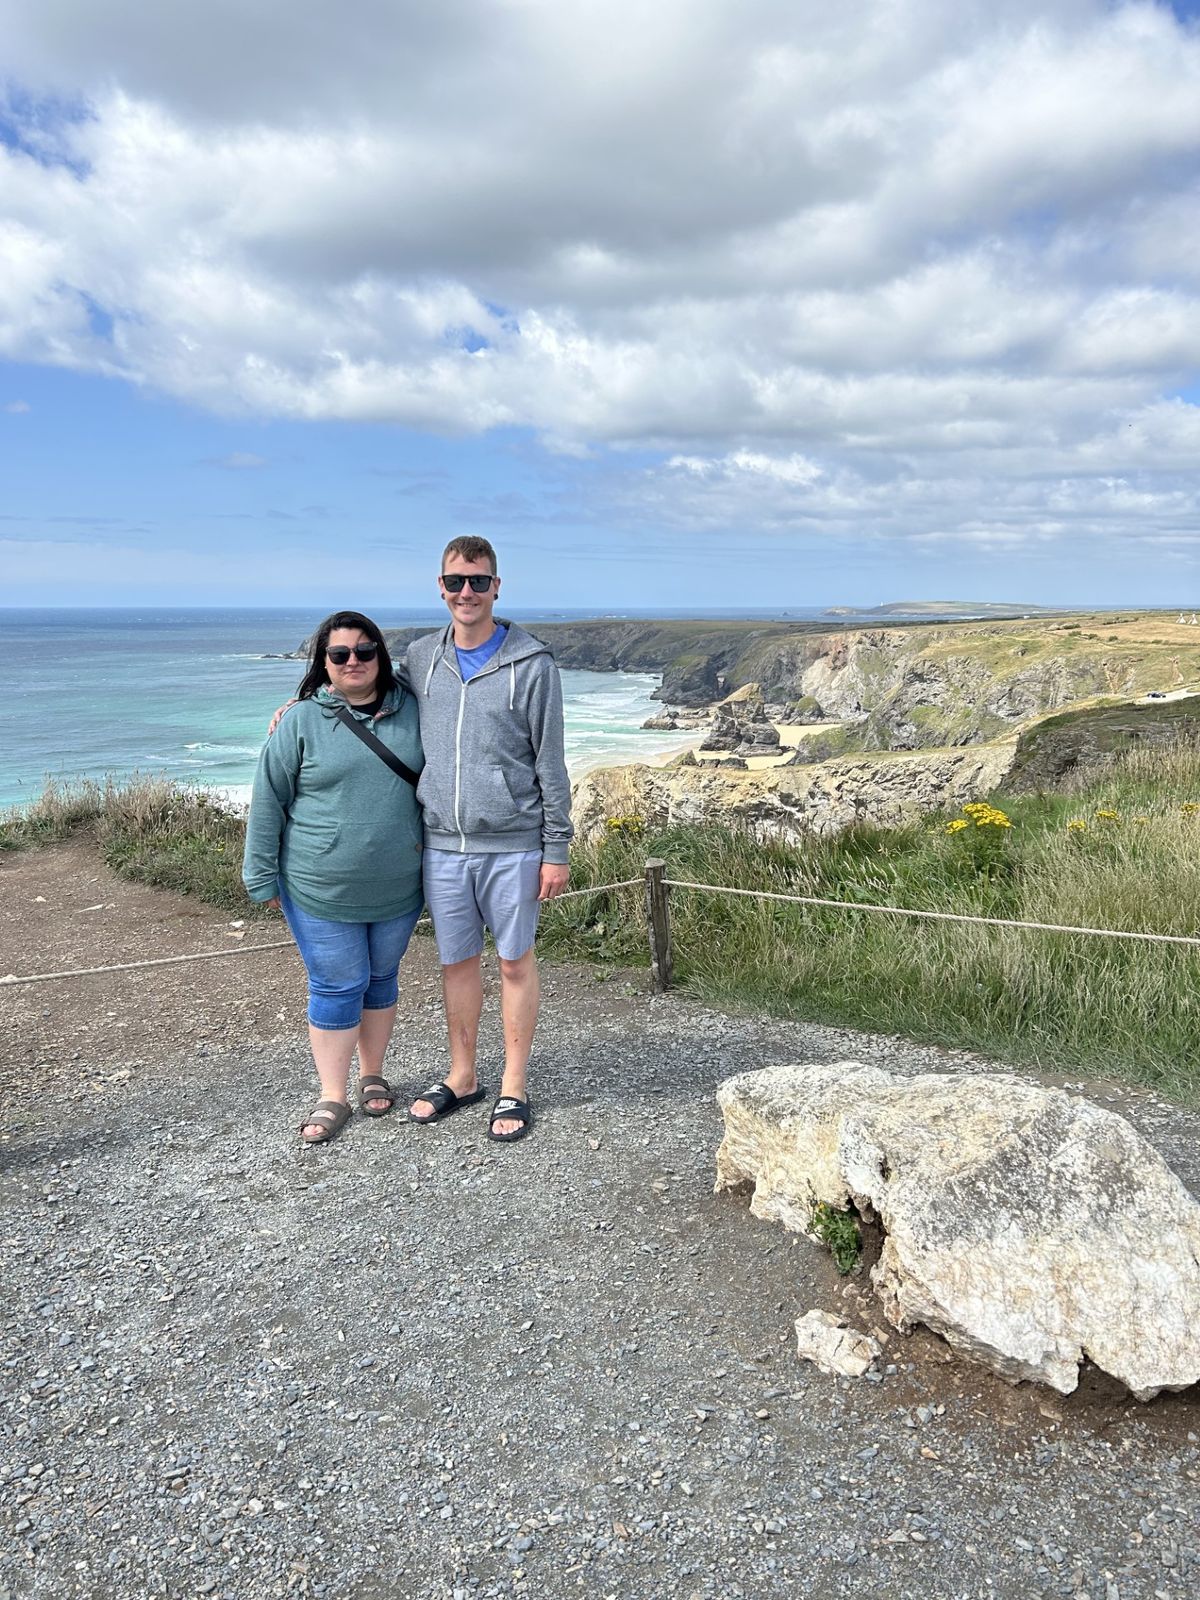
point(339, 654)
point(480, 582)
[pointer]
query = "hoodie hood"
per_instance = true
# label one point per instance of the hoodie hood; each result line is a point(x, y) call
point(518, 646)
point(331, 702)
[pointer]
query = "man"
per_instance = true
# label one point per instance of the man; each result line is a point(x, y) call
point(497, 822)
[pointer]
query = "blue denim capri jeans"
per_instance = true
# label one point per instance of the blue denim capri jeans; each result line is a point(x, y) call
point(351, 966)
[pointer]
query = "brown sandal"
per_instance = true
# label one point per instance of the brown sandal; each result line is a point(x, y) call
point(373, 1087)
point(333, 1115)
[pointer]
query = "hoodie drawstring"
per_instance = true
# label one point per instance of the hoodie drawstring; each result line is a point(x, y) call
point(512, 682)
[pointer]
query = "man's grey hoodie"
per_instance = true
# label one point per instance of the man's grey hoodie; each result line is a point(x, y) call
point(495, 778)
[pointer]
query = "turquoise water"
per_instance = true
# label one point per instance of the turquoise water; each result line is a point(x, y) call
point(188, 693)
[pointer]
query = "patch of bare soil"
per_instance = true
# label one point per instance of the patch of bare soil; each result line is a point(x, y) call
point(62, 909)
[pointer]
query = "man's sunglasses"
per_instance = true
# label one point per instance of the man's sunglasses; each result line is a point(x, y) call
point(339, 654)
point(480, 582)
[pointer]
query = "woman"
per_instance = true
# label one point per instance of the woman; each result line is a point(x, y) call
point(334, 839)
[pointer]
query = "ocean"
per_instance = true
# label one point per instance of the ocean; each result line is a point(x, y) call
point(189, 693)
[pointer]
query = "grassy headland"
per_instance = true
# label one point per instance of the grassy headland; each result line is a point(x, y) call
point(148, 829)
point(1120, 851)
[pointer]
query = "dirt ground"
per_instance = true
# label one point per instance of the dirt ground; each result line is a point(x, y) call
point(62, 909)
point(431, 1367)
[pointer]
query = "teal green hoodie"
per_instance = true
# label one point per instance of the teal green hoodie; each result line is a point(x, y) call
point(331, 821)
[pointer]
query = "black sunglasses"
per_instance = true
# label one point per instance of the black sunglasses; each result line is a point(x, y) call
point(339, 654)
point(480, 582)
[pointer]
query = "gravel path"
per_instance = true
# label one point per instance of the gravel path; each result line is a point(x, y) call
point(415, 1364)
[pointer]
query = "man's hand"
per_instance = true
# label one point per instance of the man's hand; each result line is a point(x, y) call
point(276, 717)
point(554, 881)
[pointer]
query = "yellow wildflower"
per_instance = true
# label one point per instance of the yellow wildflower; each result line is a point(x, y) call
point(1077, 825)
point(632, 827)
point(985, 816)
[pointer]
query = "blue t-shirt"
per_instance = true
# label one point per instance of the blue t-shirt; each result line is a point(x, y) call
point(472, 661)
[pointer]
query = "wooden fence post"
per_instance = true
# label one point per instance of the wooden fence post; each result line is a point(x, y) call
point(658, 925)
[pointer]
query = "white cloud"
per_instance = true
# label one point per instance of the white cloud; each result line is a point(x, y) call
point(796, 254)
point(16, 408)
point(792, 470)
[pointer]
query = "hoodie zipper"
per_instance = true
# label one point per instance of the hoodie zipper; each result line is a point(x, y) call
point(443, 655)
point(462, 707)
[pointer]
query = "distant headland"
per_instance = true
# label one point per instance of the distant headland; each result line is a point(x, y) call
point(944, 610)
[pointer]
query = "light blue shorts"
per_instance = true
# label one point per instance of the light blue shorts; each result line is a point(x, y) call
point(466, 893)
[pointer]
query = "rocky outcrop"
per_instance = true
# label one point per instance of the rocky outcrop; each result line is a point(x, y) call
point(799, 712)
point(740, 725)
point(1081, 743)
point(792, 803)
point(1029, 1228)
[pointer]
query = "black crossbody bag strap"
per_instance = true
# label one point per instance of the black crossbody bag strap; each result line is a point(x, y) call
point(360, 731)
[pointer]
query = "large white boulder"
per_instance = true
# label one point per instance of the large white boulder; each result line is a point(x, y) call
point(1027, 1226)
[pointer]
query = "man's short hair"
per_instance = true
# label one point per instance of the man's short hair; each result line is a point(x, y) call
point(471, 548)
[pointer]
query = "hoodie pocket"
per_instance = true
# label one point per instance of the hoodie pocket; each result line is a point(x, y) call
point(488, 803)
point(314, 837)
point(435, 796)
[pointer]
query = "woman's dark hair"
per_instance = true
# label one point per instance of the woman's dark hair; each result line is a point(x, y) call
point(318, 670)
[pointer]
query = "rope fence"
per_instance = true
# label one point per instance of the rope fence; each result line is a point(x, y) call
point(935, 916)
point(11, 979)
point(132, 966)
point(658, 925)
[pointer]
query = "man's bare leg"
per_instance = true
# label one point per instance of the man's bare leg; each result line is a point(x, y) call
point(520, 992)
point(462, 991)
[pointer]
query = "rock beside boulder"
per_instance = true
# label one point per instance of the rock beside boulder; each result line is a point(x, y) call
point(836, 1349)
point(1028, 1227)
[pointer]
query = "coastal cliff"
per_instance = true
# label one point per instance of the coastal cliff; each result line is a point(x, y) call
point(920, 716)
point(887, 789)
point(901, 686)
point(792, 803)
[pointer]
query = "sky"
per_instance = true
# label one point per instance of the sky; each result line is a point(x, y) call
point(726, 303)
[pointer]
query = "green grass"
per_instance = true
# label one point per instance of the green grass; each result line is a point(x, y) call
point(148, 829)
point(1061, 1002)
point(1055, 1001)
